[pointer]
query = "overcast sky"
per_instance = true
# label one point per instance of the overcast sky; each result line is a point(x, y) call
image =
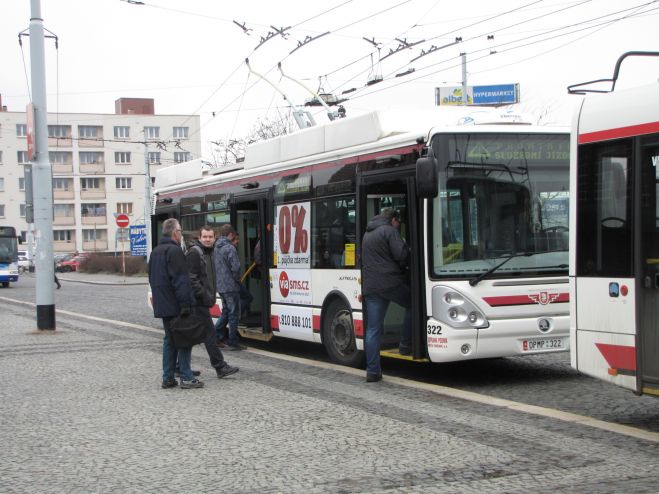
point(189, 55)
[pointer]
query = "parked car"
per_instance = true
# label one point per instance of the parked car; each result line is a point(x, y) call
point(25, 264)
point(70, 264)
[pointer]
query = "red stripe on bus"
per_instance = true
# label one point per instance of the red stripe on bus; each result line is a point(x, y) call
point(619, 357)
point(359, 328)
point(531, 299)
point(274, 323)
point(351, 160)
point(316, 324)
point(618, 133)
point(215, 311)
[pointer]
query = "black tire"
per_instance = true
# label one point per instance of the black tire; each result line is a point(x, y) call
point(339, 336)
point(5, 284)
point(66, 269)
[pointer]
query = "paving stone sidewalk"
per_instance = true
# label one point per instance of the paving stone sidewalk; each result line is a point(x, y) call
point(82, 411)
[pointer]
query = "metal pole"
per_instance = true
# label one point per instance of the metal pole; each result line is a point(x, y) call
point(147, 198)
point(42, 177)
point(465, 97)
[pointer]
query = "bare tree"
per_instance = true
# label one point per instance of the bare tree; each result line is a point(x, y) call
point(227, 152)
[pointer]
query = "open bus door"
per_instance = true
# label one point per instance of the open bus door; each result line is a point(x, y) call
point(249, 216)
point(648, 267)
point(396, 189)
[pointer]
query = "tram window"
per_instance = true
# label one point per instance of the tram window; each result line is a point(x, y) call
point(333, 233)
point(604, 210)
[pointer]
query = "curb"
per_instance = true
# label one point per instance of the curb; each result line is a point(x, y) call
point(97, 282)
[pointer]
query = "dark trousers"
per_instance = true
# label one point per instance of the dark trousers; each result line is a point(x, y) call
point(214, 353)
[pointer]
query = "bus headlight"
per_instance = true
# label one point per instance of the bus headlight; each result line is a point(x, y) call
point(456, 310)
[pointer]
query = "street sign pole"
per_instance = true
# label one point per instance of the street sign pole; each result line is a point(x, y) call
point(122, 222)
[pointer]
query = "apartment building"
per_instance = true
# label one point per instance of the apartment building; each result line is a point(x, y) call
point(99, 169)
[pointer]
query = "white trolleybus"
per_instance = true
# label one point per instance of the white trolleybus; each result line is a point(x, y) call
point(615, 251)
point(484, 207)
point(8, 255)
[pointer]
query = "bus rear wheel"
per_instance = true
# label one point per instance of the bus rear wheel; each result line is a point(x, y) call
point(339, 336)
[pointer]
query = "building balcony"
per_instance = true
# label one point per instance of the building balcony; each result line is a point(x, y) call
point(60, 142)
point(94, 245)
point(64, 220)
point(60, 168)
point(60, 246)
point(94, 220)
point(96, 142)
point(59, 194)
point(92, 167)
point(92, 193)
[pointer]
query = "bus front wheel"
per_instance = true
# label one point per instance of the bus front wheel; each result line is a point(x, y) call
point(5, 284)
point(339, 336)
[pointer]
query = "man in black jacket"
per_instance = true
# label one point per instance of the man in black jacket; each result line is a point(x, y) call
point(199, 259)
point(384, 279)
point(171, 294)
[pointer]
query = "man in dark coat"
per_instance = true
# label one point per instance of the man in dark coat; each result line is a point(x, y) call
point(384, 279)
point(171, 294)
point(199, 259)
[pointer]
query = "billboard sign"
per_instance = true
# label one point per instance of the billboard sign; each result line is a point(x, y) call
point(138, 240)
point(492, 95)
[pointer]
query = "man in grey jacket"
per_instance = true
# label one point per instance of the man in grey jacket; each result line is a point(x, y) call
point(228, 273)
point(384, 279)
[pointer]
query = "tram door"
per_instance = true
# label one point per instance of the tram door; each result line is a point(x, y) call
point(648, 316)
point(398, 192)
point(248, 218)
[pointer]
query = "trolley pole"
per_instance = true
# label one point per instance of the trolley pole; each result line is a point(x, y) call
point(41, 177)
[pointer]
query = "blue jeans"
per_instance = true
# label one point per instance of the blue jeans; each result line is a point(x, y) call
point(376, 309)
point(170, 353)
point(230, 315)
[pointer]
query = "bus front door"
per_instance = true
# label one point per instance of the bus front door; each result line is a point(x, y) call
point(398, 192)
point(648, 315)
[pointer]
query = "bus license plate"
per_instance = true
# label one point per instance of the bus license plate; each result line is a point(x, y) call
point(543, 344)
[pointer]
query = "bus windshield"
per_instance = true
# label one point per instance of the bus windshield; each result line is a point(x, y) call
point(8, 245)
point(501, 196)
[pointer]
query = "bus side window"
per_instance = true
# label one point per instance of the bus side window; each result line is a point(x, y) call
point(333, 233)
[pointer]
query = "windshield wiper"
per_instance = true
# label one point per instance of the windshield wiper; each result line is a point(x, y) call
point(482, 276)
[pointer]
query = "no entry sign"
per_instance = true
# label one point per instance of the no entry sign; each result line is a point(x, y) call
point(122, 221)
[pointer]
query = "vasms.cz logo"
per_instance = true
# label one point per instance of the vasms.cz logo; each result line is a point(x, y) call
point(283, 284)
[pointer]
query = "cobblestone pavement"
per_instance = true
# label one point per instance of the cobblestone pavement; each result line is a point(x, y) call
point(82, 411)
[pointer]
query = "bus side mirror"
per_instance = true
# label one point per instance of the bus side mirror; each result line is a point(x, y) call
point(427, 183)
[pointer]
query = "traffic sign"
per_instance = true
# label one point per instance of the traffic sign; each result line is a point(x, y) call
point(122, 220)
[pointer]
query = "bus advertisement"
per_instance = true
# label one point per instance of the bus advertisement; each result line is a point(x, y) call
point(614, 278)
point(483, 204)
point(8, 255)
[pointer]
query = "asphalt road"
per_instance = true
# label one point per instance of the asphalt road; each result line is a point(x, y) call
point(546, 380)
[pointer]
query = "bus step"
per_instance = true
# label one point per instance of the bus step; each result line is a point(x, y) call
point(393, 353)
point(254, 333)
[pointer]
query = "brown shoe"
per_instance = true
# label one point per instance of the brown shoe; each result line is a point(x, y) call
point(221, 344)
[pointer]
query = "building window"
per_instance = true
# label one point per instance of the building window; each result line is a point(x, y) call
point(180, 132)
point(2, 210)
point(181, 157)
point(89, 131)
point(91, 235)
point(22, 157)
point(21, 130)
point(152, 132)
point(122, 132)
point(62, 131)
point(62, 235)
point(23, 236)
point(90, 158)
point(125, 207)
point(154, 157)
point(21, 183)
point(124, 182)
point(122, 158)
point(63, 210)
point(2, 184)
point(90, 183)
point(22, 212)
point(61, 184)
point(59, 157)
point(92, 210)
